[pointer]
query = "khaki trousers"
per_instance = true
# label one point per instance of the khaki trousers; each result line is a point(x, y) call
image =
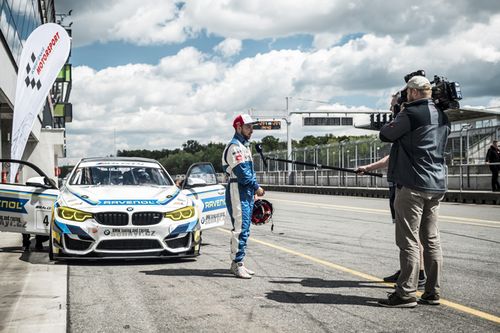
point(416, 217)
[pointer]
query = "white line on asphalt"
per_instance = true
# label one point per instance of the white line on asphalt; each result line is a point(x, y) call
point(442, 218)
point(456, 306)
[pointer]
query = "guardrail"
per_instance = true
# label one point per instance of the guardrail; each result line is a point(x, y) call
point(462, 177)
point(473, 197)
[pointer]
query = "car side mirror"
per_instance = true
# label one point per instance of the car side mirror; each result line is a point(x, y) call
point(195, 182)
point(39, 182)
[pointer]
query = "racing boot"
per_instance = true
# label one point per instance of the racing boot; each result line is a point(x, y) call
point(238, 269)
point(249, 271)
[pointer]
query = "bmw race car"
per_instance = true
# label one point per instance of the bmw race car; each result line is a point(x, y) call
point(116, 207)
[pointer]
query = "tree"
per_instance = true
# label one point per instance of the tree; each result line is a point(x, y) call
point(191, 146)
point(308, 140)
point(270, 143)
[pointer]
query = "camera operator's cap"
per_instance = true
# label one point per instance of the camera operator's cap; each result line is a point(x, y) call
point(242, 119)
point(419, 83)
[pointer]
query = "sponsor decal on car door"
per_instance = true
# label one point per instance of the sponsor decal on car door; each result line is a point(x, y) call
point(201, 184)
point(26, 206)
point(26, 209)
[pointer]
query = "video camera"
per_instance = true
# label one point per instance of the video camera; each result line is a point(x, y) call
point(445, 94)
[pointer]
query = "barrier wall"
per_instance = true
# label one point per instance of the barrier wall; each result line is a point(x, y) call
point(474, 197)
point(470, 178)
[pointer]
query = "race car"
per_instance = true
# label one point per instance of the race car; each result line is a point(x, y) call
point(115, 207)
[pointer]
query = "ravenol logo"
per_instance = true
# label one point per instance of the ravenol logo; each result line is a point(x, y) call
point(214, 203)
point(13, 205)
point(128, 202)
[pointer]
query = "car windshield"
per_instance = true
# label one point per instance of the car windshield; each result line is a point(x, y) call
point(120, 175)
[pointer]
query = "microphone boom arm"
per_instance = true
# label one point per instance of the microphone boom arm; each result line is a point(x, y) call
point(315, 165)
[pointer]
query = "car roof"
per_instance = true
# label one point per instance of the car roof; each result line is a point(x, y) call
point(117, 159)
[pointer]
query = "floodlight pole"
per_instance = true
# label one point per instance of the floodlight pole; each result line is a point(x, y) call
point(288, 121)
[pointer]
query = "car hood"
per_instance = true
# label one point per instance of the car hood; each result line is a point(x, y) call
point(122, 196)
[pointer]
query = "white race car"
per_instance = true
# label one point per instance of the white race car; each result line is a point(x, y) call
point(116, 207)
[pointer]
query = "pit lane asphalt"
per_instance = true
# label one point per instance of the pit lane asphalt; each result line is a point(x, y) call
point(297, 287)
point(316, 273)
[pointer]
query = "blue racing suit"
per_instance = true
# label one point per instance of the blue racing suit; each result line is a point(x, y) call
point(242, 183)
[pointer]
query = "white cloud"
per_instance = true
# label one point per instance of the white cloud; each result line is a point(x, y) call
point(173, 21)
point(326, 40)
point(228, 47)
point(142, 23)
point(194, 95)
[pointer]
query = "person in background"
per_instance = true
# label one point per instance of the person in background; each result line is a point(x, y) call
point(493, 156)
point(39, 239)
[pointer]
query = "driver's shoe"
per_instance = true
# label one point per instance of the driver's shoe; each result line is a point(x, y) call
point(238, 269)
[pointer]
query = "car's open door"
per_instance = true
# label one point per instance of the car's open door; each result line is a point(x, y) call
point(201, 184)
point(26, 205)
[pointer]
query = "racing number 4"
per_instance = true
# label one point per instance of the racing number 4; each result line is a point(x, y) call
point(46, 220)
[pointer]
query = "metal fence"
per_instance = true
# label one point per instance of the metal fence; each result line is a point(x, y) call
point(464, 157)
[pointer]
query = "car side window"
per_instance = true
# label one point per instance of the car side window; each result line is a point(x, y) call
point(201, 175)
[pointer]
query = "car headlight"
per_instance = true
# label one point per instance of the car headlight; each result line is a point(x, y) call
point(73, 214)
point(181, 214)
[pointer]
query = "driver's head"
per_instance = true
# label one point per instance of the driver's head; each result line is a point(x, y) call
point(243, 125)
point(143, 177)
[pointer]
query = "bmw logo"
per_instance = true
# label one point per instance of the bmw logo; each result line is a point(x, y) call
point(129, 209)
point(107, 232)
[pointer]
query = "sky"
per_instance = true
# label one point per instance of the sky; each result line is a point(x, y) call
point(153, 74)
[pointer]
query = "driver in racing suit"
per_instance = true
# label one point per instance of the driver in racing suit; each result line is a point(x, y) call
point(242, 185)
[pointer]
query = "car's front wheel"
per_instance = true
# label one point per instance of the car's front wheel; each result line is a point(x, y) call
point(51, 245)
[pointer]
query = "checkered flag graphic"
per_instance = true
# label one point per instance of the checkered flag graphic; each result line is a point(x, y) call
point(31, 81)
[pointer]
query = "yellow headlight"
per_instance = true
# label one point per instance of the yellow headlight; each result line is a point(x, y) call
point(181, 214)
point(73, 214)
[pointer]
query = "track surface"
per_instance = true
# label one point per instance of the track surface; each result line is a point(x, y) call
point(317, 272)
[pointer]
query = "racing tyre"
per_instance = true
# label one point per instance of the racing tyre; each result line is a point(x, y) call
point(51, 251)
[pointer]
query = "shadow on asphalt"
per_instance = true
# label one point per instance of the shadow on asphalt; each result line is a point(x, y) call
point(35, 257)
point(191, 272)
point(319, 298)
point(320, 283)
point(125, 262)
point(41, 257)
point(11, 249)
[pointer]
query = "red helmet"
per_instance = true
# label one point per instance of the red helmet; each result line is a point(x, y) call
point(262, 212)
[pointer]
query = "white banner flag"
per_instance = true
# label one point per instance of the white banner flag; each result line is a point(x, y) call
point(44, 54)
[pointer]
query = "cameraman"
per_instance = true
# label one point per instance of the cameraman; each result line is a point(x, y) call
point(417, 166)
point(383, 163)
